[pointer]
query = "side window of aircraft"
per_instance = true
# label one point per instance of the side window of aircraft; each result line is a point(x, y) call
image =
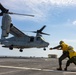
point(38, 38)
point(31, 39)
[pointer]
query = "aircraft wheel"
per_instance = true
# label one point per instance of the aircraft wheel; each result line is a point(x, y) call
point(11, 47)
point(21, 50)
point(44, 49)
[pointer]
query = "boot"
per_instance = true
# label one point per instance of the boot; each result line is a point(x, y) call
point(59, 69)
point(65, 69)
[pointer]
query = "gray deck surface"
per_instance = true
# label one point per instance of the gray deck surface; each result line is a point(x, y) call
point(33, 66)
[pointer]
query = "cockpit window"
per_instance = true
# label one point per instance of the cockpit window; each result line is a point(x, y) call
point(38, 38)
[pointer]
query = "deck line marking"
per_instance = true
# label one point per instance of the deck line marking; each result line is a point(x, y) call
point(26, 68)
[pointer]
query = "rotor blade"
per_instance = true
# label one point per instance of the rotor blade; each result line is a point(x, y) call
point(3, 9)
point(21, 14)
point(34, 31)
point(44, 33)
point(37, 32)
point(30, 31)
point(42, 28)
point(40, 32)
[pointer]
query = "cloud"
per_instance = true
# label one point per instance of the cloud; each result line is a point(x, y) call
point(63, 2)
point(36, 7)
point(70, 40)
point(40, 8)
point(74, 22)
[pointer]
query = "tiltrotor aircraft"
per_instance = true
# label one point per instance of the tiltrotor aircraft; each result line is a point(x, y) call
point(19, 40)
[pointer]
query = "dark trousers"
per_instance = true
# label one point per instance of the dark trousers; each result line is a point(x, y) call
point(71, 60)
point(62, 57)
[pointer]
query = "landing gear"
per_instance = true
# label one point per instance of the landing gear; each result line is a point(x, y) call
point(21, 50)
point(11, 47)
point(44, 49)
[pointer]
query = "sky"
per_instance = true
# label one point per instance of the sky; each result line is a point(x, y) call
point(59, 16)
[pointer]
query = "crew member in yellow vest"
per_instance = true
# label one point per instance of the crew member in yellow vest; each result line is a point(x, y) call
point(64, 47)
point(72, 57)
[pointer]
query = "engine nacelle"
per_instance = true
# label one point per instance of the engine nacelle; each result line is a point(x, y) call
point(6, 22)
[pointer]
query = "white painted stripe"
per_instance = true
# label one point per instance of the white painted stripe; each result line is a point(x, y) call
point(26, 68)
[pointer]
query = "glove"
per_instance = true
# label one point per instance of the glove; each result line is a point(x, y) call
point(50, 48)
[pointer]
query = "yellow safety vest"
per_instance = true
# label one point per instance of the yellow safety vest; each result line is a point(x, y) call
point(64, 46)
point(72, 53)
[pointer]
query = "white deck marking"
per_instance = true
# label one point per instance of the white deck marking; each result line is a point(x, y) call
point(26, 68)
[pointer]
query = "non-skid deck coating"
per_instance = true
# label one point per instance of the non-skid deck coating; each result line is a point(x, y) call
point(33, 66)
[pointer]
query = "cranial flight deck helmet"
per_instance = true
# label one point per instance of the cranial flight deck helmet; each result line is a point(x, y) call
point(61, 42)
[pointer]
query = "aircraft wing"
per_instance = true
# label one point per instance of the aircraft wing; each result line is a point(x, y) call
point(16, 32)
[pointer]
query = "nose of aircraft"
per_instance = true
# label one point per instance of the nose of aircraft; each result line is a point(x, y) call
point(47, 43)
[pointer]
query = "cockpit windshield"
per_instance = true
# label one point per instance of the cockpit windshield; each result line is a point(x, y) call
point(40, 38)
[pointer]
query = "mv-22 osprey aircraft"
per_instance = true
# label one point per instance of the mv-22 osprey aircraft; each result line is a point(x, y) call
point(19, 39)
